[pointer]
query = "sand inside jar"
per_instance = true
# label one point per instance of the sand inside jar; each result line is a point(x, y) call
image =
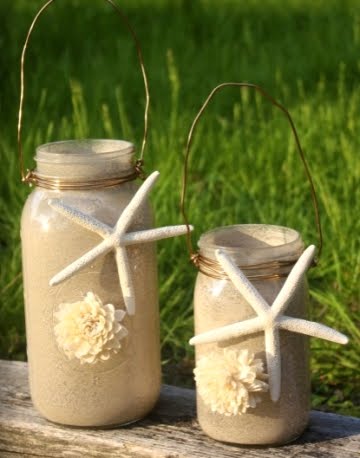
point(125, 387)
point(218, 303)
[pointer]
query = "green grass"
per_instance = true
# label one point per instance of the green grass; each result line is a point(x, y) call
point(83, 81)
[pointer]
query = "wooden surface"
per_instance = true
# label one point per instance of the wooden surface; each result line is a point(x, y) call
point(171, 431)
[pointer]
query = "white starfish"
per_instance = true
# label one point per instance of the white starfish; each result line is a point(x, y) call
point(115, 238)
point(270, 319)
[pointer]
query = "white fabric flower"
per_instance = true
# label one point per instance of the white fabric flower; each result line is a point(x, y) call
point(89, 330)
point(229, 381)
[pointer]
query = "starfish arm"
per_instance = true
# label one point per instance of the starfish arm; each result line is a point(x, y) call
point(242, 328)
point(135, 203)
point(126, 283)
point(293, 280)
point(152, 235)
point(243, 285)
point(273, 362)
point(80, 263)
point(80, 218)
point(310, 328)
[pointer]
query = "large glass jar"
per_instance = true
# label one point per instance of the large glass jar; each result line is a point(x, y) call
point(218, 303)
point(73, 380)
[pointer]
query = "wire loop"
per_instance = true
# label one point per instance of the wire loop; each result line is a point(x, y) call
point(31, 176)
point(196, 258)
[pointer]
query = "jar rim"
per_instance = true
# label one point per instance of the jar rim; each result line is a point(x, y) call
point(253, 243)
point(97, 149)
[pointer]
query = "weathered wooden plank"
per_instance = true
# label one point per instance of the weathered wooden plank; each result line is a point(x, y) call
point(171, 431)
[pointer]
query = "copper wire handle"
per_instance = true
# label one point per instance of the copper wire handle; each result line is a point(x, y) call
point(57, 184)
point(31, 176)
point(271, 270)
point(194, 256)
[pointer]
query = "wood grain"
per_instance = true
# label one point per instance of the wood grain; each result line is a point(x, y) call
point(171, 431)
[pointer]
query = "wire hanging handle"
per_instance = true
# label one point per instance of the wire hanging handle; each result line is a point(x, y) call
point(30, 175)
point(194, 256)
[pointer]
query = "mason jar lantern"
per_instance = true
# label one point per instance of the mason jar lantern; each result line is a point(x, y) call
point(250, 310)
point(90, 278)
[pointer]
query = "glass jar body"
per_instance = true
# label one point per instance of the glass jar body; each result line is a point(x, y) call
point(218, 303)
point(125, 386)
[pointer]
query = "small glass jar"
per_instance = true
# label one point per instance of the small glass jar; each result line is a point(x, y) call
point(218, 303)
point(68, 384)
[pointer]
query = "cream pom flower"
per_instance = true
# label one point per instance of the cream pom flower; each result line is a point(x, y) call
point(229, 381)
point(89, 330)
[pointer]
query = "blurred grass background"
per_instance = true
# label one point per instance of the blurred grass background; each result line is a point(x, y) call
point(83, 80)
